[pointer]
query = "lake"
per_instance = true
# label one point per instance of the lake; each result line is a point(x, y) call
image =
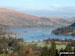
point(37, 33)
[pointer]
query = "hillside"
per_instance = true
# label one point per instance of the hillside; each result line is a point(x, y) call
point(73, 25)
point(69, 30)
point(3, 27)
point(17, 19)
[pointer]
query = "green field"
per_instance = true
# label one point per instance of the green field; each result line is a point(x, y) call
point(42, 44)
point(4, 55)
point(57, 46)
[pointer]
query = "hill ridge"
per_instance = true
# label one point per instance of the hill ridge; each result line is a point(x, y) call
point(18, 19)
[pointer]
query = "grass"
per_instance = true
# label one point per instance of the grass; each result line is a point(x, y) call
point(42, 44)
point(57, 46)
point(4, 55)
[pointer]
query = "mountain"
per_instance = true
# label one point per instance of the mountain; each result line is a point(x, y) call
point(69, 30)
point(14, 18)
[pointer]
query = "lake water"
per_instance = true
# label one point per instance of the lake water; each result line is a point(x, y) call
point(37, 33)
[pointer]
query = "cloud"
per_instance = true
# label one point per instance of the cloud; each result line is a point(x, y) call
point(41, 7)
point(65, 11)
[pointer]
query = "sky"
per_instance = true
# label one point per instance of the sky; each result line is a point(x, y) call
point(49, 8)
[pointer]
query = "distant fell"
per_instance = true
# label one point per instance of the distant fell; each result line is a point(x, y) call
point(15, 18)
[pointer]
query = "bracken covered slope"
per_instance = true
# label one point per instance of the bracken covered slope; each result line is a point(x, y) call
point(17, 19)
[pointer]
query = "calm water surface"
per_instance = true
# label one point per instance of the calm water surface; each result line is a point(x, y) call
point(37, 33)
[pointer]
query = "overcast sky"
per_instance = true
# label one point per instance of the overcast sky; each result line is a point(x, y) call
point(42, 7)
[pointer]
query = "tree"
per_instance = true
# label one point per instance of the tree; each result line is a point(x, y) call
point(53, 48)
point(13, 54)
point(74, 49)
point(23, 54)
point(29, 52)
point(44, 51)
point(68, 48)
point(21, 39)
point(57, 53)
point(61, 50)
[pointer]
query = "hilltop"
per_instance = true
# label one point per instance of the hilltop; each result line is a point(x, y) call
point(15, 18)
